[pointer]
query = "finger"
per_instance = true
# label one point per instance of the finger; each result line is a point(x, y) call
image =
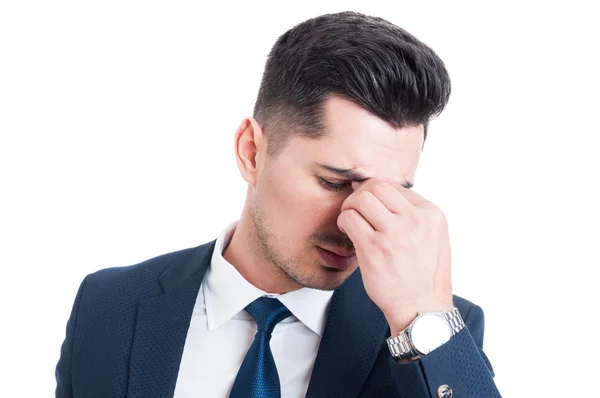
point(355, 226)
point(411, 196)
point(370, 208)
point(391, 196)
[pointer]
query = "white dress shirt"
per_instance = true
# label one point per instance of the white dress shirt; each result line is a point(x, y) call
point(221, 332)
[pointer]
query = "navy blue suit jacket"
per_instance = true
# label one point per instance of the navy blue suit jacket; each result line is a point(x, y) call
point(128, 326)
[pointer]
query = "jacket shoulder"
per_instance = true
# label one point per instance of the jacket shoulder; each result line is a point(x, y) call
point(133, 281)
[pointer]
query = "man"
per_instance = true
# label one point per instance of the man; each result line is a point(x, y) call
point(336, 279)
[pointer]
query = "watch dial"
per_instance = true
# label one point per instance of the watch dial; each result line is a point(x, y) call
point(429, 332)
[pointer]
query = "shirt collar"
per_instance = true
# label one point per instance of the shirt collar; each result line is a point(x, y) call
point(226, 292)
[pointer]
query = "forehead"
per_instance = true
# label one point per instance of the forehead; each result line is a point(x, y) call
point(357, 139)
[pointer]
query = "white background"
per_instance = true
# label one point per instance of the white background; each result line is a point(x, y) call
point(117, 121)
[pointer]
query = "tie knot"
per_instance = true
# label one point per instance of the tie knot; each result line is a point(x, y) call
point(267, 312)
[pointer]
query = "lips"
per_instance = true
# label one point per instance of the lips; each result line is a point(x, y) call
point(335, 260)
point(340, 251)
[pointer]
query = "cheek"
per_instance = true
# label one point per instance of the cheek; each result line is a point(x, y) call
point(294, 199)
point(307, 208)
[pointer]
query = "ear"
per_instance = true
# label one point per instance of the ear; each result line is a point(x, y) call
point(250, 148)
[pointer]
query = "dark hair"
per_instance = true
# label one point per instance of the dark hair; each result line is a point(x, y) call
point(364, 59)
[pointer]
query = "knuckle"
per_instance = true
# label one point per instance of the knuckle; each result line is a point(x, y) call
point(345, 215)
point(414, 221)
point(364, 197)
point(437, 215)
point(350, 214)
point(379, 187)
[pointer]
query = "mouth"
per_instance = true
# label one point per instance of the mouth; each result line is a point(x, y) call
point(339, 258)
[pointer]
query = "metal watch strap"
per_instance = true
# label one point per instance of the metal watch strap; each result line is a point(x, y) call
point(401, 347)
point(455, 320)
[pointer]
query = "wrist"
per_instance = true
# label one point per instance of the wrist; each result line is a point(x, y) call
point(398, 326)
point(424, 334)
point(399, 321)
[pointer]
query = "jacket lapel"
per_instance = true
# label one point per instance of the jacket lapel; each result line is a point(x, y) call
point(352, 338)
point(162, 323)
point(353, 335)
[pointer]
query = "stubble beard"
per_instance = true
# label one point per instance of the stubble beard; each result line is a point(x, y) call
point(264, 249)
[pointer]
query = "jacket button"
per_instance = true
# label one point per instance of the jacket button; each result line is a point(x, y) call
point(444, 391)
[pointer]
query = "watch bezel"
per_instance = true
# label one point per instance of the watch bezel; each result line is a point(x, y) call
point(442, 328)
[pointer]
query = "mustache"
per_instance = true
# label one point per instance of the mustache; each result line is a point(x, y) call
point(333, 240)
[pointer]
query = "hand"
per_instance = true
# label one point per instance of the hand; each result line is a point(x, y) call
point(403, 250)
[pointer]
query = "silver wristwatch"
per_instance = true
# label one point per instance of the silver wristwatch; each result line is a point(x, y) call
point(427, 332)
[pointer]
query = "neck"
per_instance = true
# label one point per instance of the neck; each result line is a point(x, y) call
point(246, 255)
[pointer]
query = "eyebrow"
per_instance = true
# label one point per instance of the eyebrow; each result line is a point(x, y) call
point(353, 174)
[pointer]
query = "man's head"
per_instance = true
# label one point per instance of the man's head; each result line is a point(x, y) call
point(341, 91)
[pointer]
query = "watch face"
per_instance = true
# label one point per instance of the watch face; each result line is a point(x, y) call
point(430, 331)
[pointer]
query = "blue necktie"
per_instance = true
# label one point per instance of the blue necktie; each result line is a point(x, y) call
point(257, 377)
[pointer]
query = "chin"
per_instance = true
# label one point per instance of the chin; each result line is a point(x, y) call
point(326, 278)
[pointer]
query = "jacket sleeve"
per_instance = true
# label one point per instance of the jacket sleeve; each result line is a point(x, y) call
point(459, 364)
point(63, 368)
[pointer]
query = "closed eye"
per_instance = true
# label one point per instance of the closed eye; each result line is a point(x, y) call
point(333, 186)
